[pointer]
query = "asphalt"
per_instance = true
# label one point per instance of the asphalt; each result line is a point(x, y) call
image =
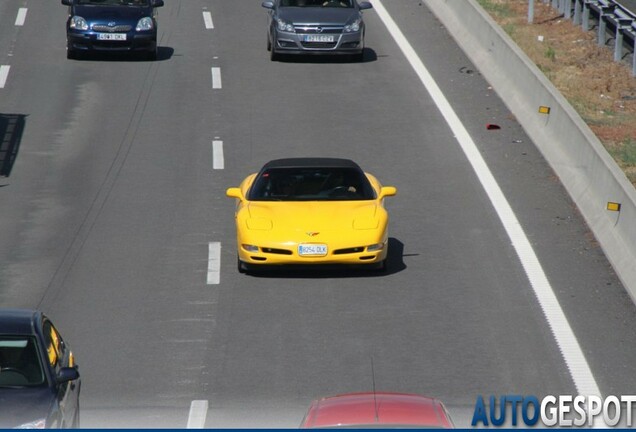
point(111, 204)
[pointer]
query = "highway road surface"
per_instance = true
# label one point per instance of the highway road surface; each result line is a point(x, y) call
point(114, 221)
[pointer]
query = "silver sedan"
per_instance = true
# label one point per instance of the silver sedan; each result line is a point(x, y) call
point(316, 27)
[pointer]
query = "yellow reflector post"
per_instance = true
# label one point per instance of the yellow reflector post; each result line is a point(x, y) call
point(544, 110)
point(612, 206)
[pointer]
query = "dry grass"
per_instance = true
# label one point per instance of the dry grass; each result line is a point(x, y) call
point(601, 90)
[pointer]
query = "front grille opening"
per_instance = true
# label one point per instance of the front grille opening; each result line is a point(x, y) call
point(323, 45)
point(276, 251)
point(318, 30)
point(348, 251)
point(114, 29)
point(257, 258)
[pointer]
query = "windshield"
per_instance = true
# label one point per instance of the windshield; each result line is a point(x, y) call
point(311, 184)
point(114, 2)
point(20, 364)
point(318, 3)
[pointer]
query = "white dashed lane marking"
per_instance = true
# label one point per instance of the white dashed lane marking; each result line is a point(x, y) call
point(214, 263)
point(21, 18)
point(217, 155)
point(198, 413)
point(207, 18)
point(216, 78)
point(4, 74)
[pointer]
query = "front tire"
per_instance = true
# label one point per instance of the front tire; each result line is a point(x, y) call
point(379, 267)
point(273, 55)
point(241, 266)
point(358, 58)
point(152, 56)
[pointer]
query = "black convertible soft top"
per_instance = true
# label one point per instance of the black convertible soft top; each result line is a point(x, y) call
point(311, 162)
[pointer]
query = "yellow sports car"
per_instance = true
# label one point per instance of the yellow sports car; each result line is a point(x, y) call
point(311, 211)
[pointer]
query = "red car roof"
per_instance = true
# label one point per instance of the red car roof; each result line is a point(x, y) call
point(367, 409)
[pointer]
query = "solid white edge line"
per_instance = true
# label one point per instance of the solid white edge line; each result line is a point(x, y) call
point(197, 415)
point(214, 263)
point(217, 155)
point(565, 338)
point(4, 74)
point(216, 78)
point(207, 18)
point(21, 18)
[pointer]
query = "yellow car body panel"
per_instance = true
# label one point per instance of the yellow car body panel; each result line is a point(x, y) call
point(329, 232)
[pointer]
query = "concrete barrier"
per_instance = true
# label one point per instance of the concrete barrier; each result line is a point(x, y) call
point(587, 171)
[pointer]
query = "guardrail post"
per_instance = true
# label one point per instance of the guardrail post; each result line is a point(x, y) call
point(586, 16)
point(577, 12)
point(567, 9)
point(602, 27)
point(634, 58)
point(530, 11)
point(618, 44)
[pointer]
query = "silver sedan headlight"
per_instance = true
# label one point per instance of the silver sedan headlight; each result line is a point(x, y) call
point(285, 26)
point(145, 24)
point(353, 27)
point(78, 23)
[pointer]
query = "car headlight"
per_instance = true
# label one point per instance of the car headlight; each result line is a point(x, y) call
point(78, 23)
point(250, 248)
point(375, 247)
point(35, 424)
point(145, 24)
point(353, 27)
point(285, 26)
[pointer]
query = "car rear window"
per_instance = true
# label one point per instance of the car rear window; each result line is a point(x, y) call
point(311, 184)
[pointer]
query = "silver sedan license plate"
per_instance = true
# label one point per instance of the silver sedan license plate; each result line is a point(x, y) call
point(111, 36)
point(319, 38)
point(312, 249)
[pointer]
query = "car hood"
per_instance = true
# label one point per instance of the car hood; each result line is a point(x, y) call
point(313, 216)
point(111, 13)
point(315, 15)
point(23, 405)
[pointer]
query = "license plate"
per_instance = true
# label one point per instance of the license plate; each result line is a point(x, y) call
point(319, 38)
point(312, 249)
point(112, 36)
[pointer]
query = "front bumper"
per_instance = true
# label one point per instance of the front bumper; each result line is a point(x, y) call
point(296, 43)
point(338, 252)
point(135, 41)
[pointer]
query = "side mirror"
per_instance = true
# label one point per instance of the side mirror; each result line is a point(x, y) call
point(67, 2)
point(235, 192)
point(268, 4)
point(67, 374)
point(156, 3)
point(365, 5)
point(387, 191)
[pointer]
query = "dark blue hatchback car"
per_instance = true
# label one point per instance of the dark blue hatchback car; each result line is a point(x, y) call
point(39, 380)
point(119, 26)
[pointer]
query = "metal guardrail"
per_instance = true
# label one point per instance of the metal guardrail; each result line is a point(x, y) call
point(617, 17)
